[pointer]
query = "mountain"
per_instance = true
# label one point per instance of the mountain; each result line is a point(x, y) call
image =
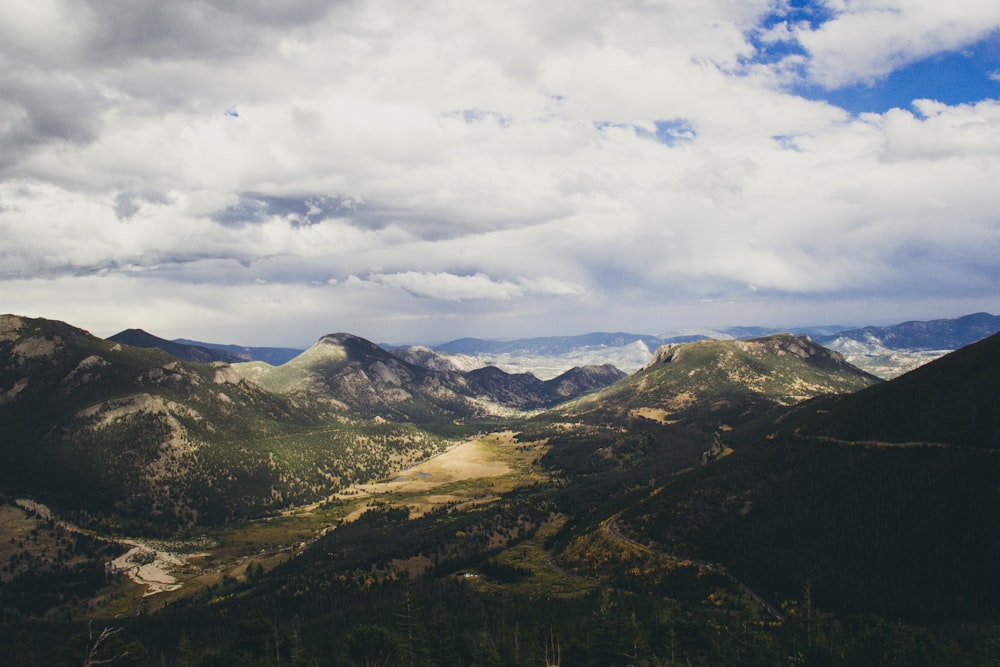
point(360, 377)
point(881, 501)
point(551, 346)
point(271, 355)
point(185, 351)
point(721, 382)
point(944, 334)
point(733, 502)
point(547, 346)
point(952, 401)
point(190, 350)
point(419, 355)
point(883, 351)
point(546, 357)
point(367, 380)
point(525, 391)
point(136, 439)
point(891, 351)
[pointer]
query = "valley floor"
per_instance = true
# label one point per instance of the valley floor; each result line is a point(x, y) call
point(158, 572)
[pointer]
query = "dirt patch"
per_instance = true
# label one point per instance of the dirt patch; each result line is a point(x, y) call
point(654, 414)
point(467, 460)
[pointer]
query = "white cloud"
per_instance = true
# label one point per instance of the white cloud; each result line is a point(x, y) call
point(476, 166)
point(941, 131)
point(867, 39)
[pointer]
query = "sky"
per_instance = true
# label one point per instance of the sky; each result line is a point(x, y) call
point(263, 173)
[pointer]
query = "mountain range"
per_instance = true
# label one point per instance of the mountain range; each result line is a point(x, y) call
point(886, 351)
point(742, 501)
point(878, 501)
point(144, 439)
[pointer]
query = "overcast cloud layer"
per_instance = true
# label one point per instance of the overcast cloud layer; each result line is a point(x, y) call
point(265, 173)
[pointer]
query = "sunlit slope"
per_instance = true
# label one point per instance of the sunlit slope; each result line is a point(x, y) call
point(717, 381)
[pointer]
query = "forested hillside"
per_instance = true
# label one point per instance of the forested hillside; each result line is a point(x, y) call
point(705, 510)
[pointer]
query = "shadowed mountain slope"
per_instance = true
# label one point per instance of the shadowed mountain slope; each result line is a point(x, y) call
point(271, 355)
point(954, 400)
point(828, 502)
point(186, 352)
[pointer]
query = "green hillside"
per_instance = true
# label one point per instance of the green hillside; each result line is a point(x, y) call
point(139, 441)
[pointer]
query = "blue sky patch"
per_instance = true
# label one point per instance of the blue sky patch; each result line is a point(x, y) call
point(668, 132)
point(953, 78)
point(674, 131)
point(966, 76)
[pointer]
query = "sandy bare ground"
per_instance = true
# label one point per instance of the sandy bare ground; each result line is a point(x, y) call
point(467, 460)
point(149, 567)
point(144, 563)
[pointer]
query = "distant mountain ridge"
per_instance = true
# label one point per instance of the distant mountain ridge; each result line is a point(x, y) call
point(186, 351)
point(886, 351)
point(943, 334)
point(893, 350)
point(559, 345)
point(272, 355)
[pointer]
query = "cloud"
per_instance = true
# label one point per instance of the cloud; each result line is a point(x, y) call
point(128, 203)
point(865, 41)
point(939, 131)
point(309, 210)
point(452, 287)
point(479, 167)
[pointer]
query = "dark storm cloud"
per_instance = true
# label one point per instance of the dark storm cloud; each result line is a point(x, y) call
point(37, 108)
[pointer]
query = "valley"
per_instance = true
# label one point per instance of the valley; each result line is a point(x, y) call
point(758, 501)
point(153, 573)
